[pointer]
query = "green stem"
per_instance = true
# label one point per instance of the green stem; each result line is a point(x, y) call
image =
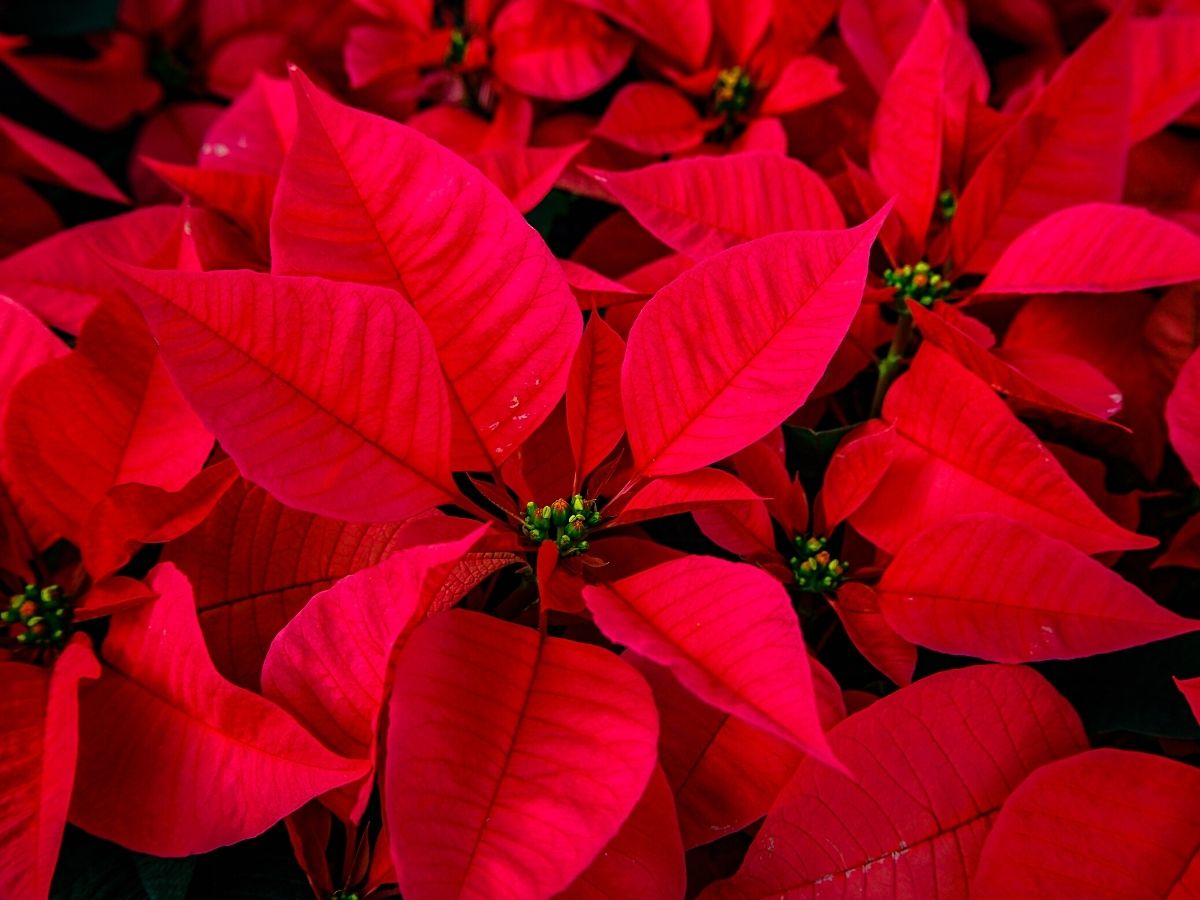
point(889, 366)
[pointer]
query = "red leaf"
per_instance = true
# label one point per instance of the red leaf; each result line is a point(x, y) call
point(1166, 71)
point(133, 514)
point(645, 859)
point(1068, 147)
point(39, 735)
point(1183, 416)
point(254, 564)
point(858, 607)
point(231, 763)
point(62, 278)
point(512, 758)
point(931, 766)
point(734, 346)
point(651, 118)
point(35, 221)
point(355, 203)
point(681, 28)
point(907, 134)
point(1085, 392)
point(30, 154)
point(676, 494)
point(1095, 247)
point(988, 587)
point(243, 197)
point(803, 81)
point(762, 468)
point(253, 135)
point(557, 51)
point(877, 33)
point(705, 205)
point(857, 467)
point(328, 666)
point(1107, 823)
point(327, 394)
point(961, 450)
point(105, 415)
point(728, 632)
point(724, 772)
point(595, 419)
point(1185, 547)
point(525, 174)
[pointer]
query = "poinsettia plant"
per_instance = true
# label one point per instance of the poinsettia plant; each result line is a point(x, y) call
point(601, 448)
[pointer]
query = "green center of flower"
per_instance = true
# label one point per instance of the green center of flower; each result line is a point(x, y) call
point(921, 283)
point(457, 50)
point(39, 618)
point(948, 204)
point(815, 570)
point(566, 523)
point(344, 895)
point(732, 91)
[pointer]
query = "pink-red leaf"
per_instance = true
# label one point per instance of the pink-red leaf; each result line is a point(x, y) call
point(365, 199)
point(681, 28)
point(651, 118)
point(1105, 824)
point(196, 763)
point(34, 156)
point(1096, 247)
point(255, 563)
point(512, 758)
point(691, 491)
point(1166, 76)
point(734, 346)
point(105, 415)
point(931, 765)
point(595, 419)
point(728, 632)
point(329, 395)
point(705, 205)
point(1068, 147)
point(961, 450)
point(857, 605)
point(907, 134)
point(987, 587)
point(39, 734)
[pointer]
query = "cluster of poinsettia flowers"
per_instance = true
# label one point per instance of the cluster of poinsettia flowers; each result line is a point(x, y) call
point(330, 495)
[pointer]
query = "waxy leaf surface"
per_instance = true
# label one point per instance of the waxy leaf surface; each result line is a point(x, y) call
point(512, 758)
point(197, 762)
point(930, 767)
point(732, 347)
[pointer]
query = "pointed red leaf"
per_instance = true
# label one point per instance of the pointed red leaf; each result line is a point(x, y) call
point(988, 587)
point(705, 205)
point(556, 51)
point(1166, 73)
point(243, 197)
point(724, 772)
point(681, 28)
point(30, 154)
point(512, 758)
point(355, 202)
point(645, 859)
point(328, 666)
point(525, 174)
point(105, 415)
point(651, 118)
point(803, 81)
point(1185, 546)
point(743, 529)
point(39, 734)
point(253, 135)
point(961, 450)
point(1086, 393)
point(1183, 415)
point(734, 346)
point(327, 394)
point(255, 563)
point(763, 469)
point(1105, 824)
point(857, 605)
point(130, 515)
point(877, 33)
point(728, 632)
point(931, 765)
point(907, 134)
point(231, 763)
point(595, 419)
point(1096, 247)
point(855, 470)
point(1069, 147)
point(61, 279)
point(675, 494)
